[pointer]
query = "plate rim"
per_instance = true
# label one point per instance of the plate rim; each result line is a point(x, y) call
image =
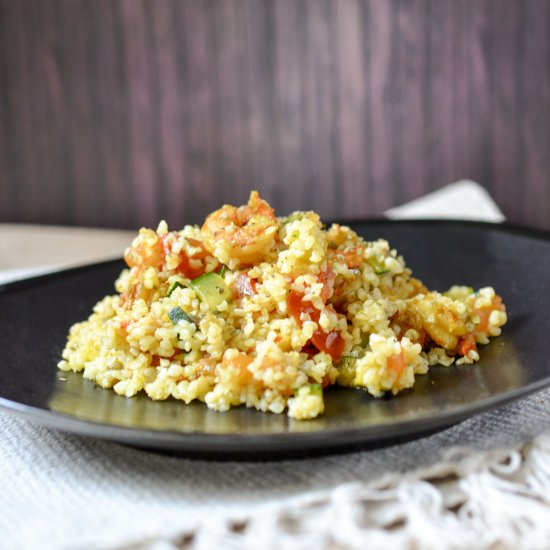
point(256, 442)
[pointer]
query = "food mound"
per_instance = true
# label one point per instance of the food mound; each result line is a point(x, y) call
point(268, 312)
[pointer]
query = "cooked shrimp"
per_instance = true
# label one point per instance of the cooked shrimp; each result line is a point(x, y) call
point(241, 236)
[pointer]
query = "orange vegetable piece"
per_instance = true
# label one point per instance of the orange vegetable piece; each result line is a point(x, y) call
point(397, 363)
point(240, 363)
point(485, 313)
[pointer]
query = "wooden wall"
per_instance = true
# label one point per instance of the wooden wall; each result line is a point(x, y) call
point(118, 113)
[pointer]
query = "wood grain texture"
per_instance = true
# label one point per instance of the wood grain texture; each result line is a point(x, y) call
point(119, 113)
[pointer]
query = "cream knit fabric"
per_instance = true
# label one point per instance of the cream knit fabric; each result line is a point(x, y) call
point(476, 485)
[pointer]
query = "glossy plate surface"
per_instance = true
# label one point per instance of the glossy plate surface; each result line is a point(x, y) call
point(36, 314)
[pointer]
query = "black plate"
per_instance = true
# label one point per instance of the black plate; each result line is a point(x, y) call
point(36, 314)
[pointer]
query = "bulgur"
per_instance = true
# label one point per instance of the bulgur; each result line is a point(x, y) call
point(251, 309)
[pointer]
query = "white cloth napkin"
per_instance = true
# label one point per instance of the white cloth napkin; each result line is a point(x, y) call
point(61, 491)
point(463, 200)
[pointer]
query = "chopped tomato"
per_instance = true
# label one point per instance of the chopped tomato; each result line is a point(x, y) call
point(142, 256)
point(298, 306)
point(202, 253)
point(485, 312)
point(331, 342)
point(245, 286)
point(187, 270)
point(352, 258)
point(145, 256)
point(466, 344)
point(397, 363)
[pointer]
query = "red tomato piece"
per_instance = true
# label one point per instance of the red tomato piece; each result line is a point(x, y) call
point(466, 344)
point(485, 312)
point(185, 267)
point(331, 342)
point(297, 306)
point(187, 270)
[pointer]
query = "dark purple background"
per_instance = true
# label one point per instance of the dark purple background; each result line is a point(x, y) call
point(120, 113)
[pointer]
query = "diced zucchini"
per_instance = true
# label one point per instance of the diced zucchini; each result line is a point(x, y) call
point(173, 286)
point(378, 265)
point(211, 288)
point(347, 368)
point(223, 271)
point(176, 314)
point(310, 389)
point(315, 389)
point(292, 217)
point(348, 361)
